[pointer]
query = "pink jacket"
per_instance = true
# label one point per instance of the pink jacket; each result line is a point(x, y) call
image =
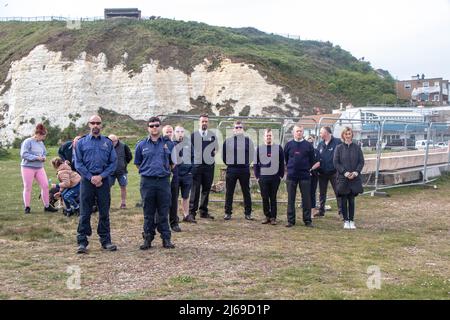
point(68, 178)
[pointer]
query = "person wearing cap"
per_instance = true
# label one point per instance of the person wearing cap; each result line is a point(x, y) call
point(153, 158)
point(95, 161)
point(124, 157)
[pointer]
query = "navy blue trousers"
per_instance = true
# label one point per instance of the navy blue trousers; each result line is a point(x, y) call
point(156, 198)
point(88, 194)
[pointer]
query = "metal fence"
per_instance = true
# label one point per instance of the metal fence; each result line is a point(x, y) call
point(390, 162)
point(64, 19)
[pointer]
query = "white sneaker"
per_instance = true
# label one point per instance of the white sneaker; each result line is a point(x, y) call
point(347, 225)
point(352, 225)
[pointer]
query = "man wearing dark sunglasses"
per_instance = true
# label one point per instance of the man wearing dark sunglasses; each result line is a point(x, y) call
point(238, 152)
point(95, 160)
point(153, 158)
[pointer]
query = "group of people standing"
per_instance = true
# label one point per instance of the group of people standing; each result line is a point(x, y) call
point(190, 161)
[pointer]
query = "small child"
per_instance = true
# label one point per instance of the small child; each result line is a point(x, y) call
point(69, 186)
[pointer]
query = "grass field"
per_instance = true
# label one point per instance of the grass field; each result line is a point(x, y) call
point(407, 236)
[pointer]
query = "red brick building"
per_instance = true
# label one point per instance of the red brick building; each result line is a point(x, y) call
point(433, 91)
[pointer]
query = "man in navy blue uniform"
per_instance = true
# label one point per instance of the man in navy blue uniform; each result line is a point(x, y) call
point(327, 171)
point(95, 161)
point(153, 158)
point(299, 157)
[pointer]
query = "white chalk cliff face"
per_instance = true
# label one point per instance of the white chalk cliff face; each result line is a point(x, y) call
point(43, 84)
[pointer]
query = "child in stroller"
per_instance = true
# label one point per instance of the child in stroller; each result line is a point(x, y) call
point(68, 187)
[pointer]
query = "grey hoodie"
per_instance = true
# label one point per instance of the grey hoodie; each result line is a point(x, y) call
point(30, 150)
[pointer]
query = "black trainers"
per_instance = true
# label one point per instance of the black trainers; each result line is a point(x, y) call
point(27, 210)
point(207, 216)
point(249, 217)
point(82, 249)
point(109, 247)
point(289, 225)
point(50, 209)
point(309, 225)
point(227, 216)
point(176, 228)
point(318, 214)
point(168, 245)
point(147, 242)
point(189, 218)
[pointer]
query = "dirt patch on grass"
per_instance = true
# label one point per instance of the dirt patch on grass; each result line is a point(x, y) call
point(405, 235)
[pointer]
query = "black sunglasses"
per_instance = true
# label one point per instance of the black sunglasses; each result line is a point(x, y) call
point(239, 127)
point(153, 125)
point(95, 123)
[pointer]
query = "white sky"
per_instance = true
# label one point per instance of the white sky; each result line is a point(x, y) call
point(405, 37)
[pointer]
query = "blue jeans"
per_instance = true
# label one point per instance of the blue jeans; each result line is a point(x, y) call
point(156, 198)
point(88, 194)
point(71, 197)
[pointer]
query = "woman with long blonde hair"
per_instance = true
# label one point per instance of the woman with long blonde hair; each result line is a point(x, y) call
point(349, 162)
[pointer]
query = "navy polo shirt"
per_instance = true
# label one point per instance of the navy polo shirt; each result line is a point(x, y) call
point(95, 156)
point(154, 157)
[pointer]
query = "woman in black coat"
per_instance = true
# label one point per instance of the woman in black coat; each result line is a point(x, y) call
point(349, 162)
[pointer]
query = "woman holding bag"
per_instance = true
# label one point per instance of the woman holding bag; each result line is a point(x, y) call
point(349, 162)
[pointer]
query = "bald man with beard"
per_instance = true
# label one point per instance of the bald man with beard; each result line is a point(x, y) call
point(95, 161)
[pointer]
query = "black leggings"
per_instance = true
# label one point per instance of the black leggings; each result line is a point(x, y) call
point(348, 207)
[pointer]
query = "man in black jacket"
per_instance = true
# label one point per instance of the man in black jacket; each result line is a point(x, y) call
point(124, 157)
point(205, 145)
point(65, 151)
point(269, 170)
point(327, 171)
point(238, 153)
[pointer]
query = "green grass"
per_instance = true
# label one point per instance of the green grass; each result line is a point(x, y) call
point(315, 73)
point(405, 235)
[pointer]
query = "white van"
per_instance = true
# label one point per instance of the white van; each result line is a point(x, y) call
point(422, 144)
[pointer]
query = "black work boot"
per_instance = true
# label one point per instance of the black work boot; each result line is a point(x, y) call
point(50, 209)
point(167, 244)
point(147, 242)
point(82, 249)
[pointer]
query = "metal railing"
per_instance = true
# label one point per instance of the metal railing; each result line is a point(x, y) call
point(380, 129)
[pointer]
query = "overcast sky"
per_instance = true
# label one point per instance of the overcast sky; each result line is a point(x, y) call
point(405, 37)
